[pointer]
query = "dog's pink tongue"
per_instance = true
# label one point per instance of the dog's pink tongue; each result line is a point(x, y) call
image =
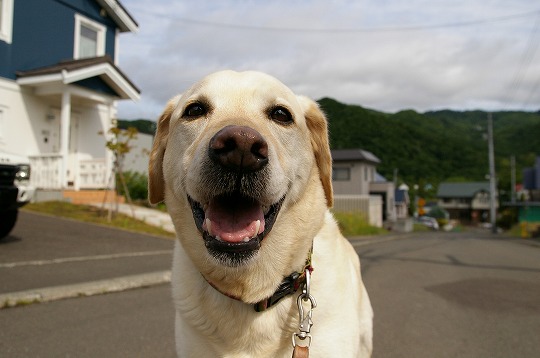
point(234, 220)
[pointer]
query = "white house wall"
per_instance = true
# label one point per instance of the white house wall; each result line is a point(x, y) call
point(31, 124)
point(92, 121)
point(18, 133)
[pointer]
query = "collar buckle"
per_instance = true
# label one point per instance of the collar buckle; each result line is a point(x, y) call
point(287, 287)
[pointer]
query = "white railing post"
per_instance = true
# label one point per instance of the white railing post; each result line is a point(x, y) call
point(65, 115)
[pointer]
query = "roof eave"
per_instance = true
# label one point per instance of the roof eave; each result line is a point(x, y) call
point(105, 71)
point(125, 22)
point(349, 160)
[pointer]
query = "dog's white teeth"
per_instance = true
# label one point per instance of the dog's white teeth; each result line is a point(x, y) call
point(218, 238)
point(257, 227)
point(246, 239)
point(209, 226)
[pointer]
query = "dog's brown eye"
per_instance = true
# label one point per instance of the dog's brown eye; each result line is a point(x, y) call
point(281, 115)
point(195, 110)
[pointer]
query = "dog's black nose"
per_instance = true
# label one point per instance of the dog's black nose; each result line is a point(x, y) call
point(239, 148)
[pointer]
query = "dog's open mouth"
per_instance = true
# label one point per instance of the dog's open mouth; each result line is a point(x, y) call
point(233, 225)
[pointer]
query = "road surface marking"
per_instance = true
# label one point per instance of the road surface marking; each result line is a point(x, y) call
point(84, 258)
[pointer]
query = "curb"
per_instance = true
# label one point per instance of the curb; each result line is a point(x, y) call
point(367, 240)
point(148, 215)
point(86, 289)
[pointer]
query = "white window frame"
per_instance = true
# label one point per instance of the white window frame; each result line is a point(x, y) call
point(6, 23)
point(99, 28)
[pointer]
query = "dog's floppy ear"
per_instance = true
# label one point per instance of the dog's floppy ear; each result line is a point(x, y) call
point(318, 128)
point(156, 183)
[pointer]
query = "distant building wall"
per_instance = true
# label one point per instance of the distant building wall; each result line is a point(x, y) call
point(137, 158)
point(531, 176)
point(357, 183)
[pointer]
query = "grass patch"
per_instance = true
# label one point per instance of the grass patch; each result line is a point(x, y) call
point(523, 230)
point(354, 224)
point(420, 228)
point(92, 214)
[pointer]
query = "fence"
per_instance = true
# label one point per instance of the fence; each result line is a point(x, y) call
point(369, 205)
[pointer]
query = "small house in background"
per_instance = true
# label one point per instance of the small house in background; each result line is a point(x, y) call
point(353, 170)
point(402, 202)
point(354, 174)
point(468, 202)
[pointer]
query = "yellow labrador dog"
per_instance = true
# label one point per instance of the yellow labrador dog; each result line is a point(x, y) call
point(260, 266)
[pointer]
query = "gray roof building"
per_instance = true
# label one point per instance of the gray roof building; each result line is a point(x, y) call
point(346, 155)
point(461, 190)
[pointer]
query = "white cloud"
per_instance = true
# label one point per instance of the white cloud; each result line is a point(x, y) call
point(459, 67)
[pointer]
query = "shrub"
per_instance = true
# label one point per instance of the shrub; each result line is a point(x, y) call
point(507, 218)
point(137, 184)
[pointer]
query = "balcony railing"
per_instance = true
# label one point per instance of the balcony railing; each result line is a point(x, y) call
point(93, 174)
point(46, 169)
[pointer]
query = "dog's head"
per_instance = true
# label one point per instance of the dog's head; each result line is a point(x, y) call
point(249, 161)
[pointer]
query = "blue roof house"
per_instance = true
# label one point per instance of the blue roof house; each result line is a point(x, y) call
point(59, 84)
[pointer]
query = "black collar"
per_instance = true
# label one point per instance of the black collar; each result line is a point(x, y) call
point(288, 286)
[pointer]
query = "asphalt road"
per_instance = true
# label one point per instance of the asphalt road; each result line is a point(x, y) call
point(434, 295)
point(43, 251)
point(454, 295)
point(50, 251)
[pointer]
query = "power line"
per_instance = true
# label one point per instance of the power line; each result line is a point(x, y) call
point(344, 30)
point(527, 58)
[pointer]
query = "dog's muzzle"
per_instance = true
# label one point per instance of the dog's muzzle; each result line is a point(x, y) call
point(234, 222)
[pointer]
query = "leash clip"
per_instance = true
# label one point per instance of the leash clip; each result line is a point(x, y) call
point(305, 320)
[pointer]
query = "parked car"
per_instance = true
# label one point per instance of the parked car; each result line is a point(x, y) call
point(428, 221)
point(15, 189)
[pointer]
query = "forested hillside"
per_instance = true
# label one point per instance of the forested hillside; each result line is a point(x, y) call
point(436, 146)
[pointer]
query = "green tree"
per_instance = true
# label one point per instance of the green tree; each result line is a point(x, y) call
point(119, 144)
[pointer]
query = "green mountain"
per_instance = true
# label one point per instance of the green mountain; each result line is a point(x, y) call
point(428, 148)
point(142, 125)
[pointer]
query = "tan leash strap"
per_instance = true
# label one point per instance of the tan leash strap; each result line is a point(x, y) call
point(300, 352)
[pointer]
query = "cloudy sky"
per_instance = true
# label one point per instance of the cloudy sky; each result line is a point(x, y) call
point(387, 55)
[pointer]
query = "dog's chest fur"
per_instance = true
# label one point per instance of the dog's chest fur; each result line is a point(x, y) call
point(226, 324)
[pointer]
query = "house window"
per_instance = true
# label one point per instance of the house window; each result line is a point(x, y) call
point(6, 20)
point(341, 174)
point(89, 38)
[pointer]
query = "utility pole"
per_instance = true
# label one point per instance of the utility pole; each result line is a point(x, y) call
point(492, 178)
